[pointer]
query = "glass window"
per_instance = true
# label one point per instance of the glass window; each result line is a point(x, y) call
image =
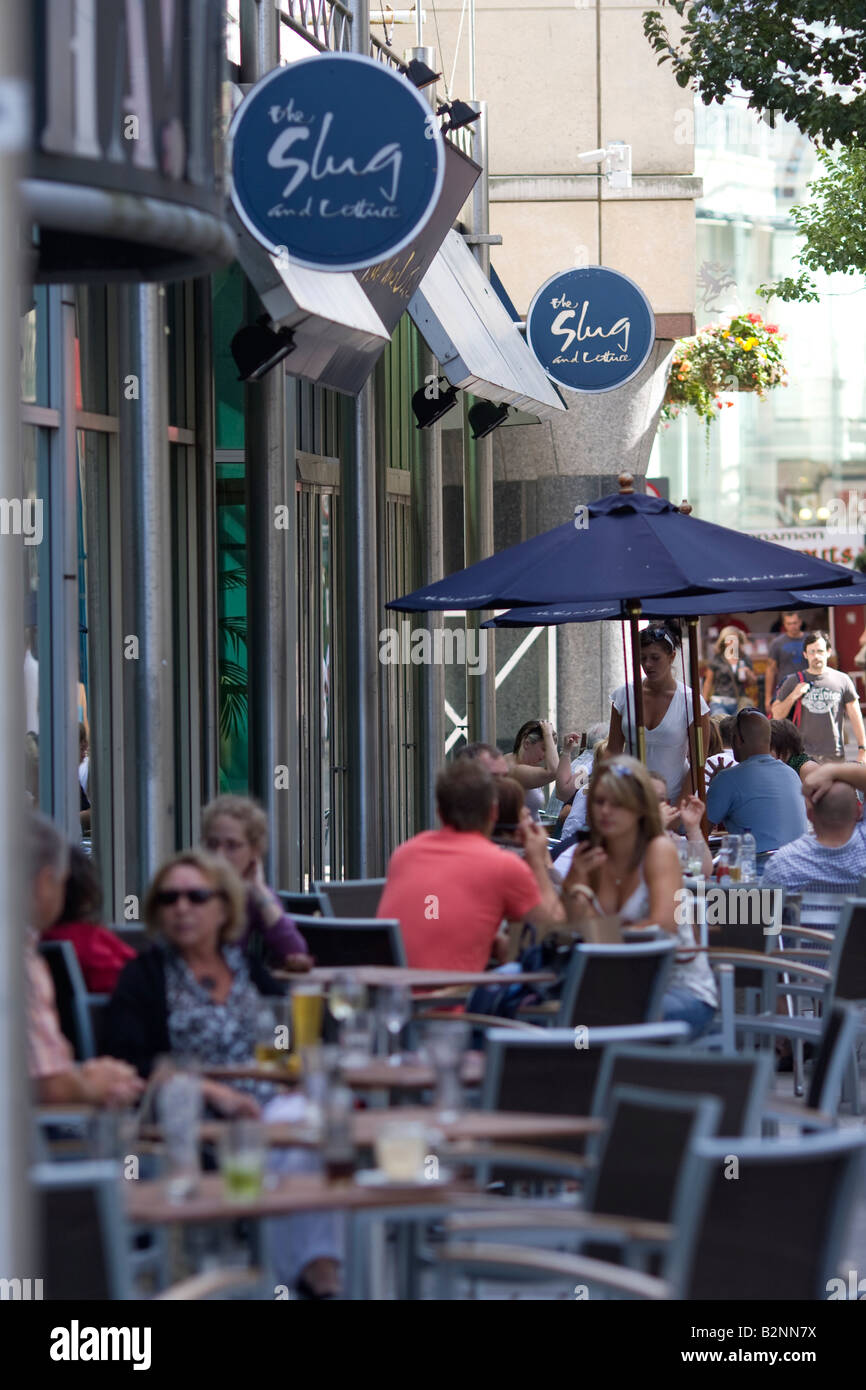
point(228, 316)
point(232, 628)
point(92, 366)
point(34, 347)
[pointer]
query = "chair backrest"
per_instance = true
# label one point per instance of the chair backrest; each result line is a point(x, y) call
point(352, 897)
point(70, 992)
point(555, 1072)
point(133, 934)
point(305, 904)
point(847, 964)
point(764, 1219)
point(820, 910)
point(82, 1229)
point(743, 917)
point(659, 1128)
point(347, 941)
point(740, 1084)
point(607, 986)
point(828, 1069)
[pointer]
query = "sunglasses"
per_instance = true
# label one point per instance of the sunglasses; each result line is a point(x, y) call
point(167, 897)
point(651, 635)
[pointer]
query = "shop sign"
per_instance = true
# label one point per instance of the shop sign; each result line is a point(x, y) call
point(821, 541)
point(337, 162)
point(592, 329)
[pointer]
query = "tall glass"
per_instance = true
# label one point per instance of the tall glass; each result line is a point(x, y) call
point(308, 1007)
point(446, 1044)
point(242, 1160)
point(395, 1009)
point(180, 1107)
point(733, 844)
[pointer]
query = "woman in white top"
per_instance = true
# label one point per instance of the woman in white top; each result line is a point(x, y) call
point(667, 708)
point(629, 867)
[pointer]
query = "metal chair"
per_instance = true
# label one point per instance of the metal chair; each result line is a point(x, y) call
point(743, 1228)
point(133, 934)
point(740, 1084)
point(71, 996)
point(351, 897)
point(612, 986)
point(303, 904)
point(553, 1071)
point(337, 941)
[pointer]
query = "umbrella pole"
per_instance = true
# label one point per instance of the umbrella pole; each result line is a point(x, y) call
point(696, 742)
point(634, 611)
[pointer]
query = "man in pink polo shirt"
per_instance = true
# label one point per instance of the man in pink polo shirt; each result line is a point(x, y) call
point(450, 889)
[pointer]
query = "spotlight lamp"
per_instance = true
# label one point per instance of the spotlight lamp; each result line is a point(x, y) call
point(486, 416)
point(428, 409)
point(420, 75)
point(257, 348)
point(459, 114)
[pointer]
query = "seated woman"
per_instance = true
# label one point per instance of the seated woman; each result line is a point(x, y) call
point(101, 954)
point(506, 831)
point(198, 996)
point(630, 867)
point(235, 828)
point(786, 744)
point(535, 763)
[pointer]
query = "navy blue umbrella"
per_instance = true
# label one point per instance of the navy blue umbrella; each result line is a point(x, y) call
point(696, 605)
point(624, 546)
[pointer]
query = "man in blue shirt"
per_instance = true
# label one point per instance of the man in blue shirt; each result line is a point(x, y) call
point(759, 793)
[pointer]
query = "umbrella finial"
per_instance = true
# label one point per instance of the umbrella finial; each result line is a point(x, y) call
point(626, 482)
point(685, 507)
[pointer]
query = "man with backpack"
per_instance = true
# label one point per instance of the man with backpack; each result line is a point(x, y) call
point(817, 699)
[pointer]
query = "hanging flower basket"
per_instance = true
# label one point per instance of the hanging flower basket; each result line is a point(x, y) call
point(744, 354)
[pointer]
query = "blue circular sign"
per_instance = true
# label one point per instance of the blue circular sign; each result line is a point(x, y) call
point(337, 161)
point(591, 328)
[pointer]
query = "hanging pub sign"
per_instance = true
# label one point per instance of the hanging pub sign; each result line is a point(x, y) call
point(337, 162)
point(591, 328)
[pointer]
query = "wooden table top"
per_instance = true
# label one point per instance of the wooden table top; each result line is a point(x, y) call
point(382, 975)
point(413, 1074)
point(147, 1203)
point(482, 1126)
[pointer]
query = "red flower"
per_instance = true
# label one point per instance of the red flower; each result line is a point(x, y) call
point(772, 328)
point(753, 318)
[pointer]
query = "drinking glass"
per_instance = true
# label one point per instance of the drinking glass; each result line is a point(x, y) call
point(307, 1014)
point(733, 844)
point(401, 1147)
point(446, 1044)
point(346, 996)
point(266, 1031)
point(356, 1039)
point(180, 1108)
point(242, 1160)
point(395, 1006)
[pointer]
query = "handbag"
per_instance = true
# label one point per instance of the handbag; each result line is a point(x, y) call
point(503, 1000)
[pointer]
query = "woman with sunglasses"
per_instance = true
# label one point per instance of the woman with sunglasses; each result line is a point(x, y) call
point(195, 994)
point(631, 869)
point(667, 708)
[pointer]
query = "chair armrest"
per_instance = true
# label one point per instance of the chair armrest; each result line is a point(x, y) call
point(777, 961)
point(780, 1108)
point(483, 1020)
point(554, 1262)
point(541, 1217)
point(811, 933)
point(96, 998)
point(545, 1010)
point(214, 1281)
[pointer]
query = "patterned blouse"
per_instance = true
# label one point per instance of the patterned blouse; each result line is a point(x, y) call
point(211, 1033)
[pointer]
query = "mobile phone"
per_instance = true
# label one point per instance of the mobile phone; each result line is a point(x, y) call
point(583, 835)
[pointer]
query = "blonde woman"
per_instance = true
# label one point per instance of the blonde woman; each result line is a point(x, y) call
point(728, 673)
point(194, 994)
point(630, 868)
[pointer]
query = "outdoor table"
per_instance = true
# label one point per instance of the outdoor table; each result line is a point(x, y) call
point(483, 1126)
point(413, 1073)
point(380, 976)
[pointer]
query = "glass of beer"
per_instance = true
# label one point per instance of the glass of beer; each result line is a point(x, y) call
point(266, 1032)
point(308, 1007)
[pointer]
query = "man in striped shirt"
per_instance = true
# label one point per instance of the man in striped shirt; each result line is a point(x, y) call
point(833, 859)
